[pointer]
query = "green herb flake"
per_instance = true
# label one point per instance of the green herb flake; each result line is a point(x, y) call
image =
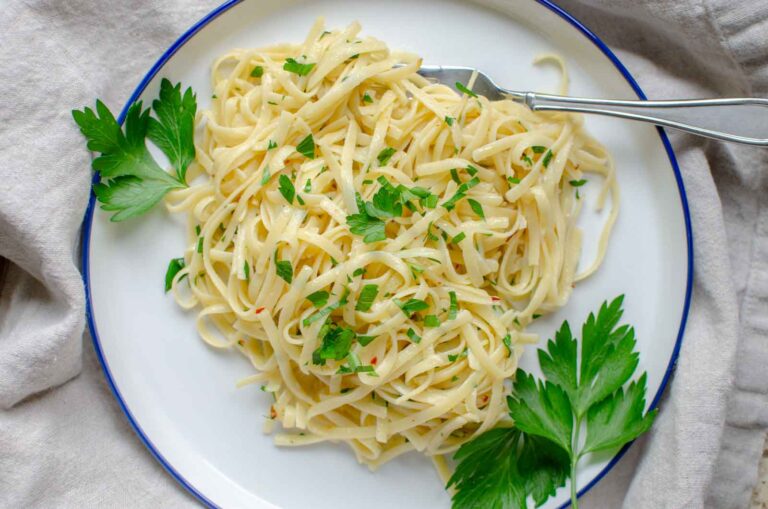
point(257, 72)
point(457, 356)
point(455, 176)
point(453, 310)
point(471, 170)
point(577, 183)
point(318, 298)
point(367, 98)
point(458, 238)
point(265, 176)
point(507, 340)
point(413, 336)
point(295, 67)
point(306, 147)
point(286, 188)
point(247, 271)
point(513, 180)
point(547, 158)
point(463, 89)
point(412, 306)
point(431, 321)
point(385, 155)
point(271, 145)
point(476, 207)
point(367, 296)
point(538, 149)
point(284, 269)
point(449, 120)
point(365, 340)
point(359, 272)
point(174, 266)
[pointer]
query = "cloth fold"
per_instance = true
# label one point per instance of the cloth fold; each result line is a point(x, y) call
point(69, 445)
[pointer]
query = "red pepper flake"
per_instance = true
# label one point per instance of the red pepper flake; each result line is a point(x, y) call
point(259, 310)
point(374, 361)
point(272, 412)
point(495, 299)
point(485, 398)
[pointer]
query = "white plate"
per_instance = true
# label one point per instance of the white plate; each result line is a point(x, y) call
point(180, 396)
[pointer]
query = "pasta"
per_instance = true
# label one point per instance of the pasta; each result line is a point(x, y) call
point(376, 244)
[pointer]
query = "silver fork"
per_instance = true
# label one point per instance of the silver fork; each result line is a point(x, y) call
point(743, 120)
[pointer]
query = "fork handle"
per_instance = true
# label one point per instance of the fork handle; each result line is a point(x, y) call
point(743, 120)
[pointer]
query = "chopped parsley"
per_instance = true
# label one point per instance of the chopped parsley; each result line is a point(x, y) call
point(412, 306)
point(471, 170)
point(371, 228)
point(306, 147)
point(358, 272)
point(453, 310)
point(295, 67)
point(365, 340)
point(413, 336)
point(461, 88)
point(527, 160)
point(367, 98)
point(547, 158)
point(538, 149)
point(457, 356)
point(461, 192)
point(455, 176)
point(271, 145)
point(286, 188)
point(354, 366)
point(284, 269)
point(265, 176)
point(336, 343)
point(431, 321)
point(318, 298)
point(507, 340)
point(257, 72)
point(513, 180)
point(458, 238)
point(577, 183)
point(308, 186)
point(247, 271)
point(476, 207)
point(385, 155)
point(367, 296)
point(174, 266)
point(449, 120)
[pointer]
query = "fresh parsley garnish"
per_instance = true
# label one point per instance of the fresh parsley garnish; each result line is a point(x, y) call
point(461, 192)
point(507, 340)
point(577, 183)
point(318, 298)
point(247, 271)
point(461, 88)
point(295, 67)
point(308, 186)
point(413, 336)
point(271, 145)
point(257, 72)
point(371, 228)
point(453, 309)
point(306, 147)
point(471, 170)
point(538, 149)
point(336, 343)
point(365, 340)
point(449, 120)
point(132, 181)
point(174, 266)
point(456, 356)
point(455, 176)
point(367, 296)
point(513, 180)
point(358, 272)
point(586, 382)
point(458, 238)
point(385, 155)
point(354, 366)
point(367, 98)
point(431, 321)
point(547, 158)
point(476, 207)
point(286, 188)
point(526, 159)
point(284, 269)
point(412, 306)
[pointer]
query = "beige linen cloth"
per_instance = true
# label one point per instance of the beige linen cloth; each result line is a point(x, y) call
point(63, 439)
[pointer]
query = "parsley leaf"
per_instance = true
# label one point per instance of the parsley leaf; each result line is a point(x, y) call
point(586, 387)
point(257, 72)
point(577, 183)
point(367, 296)
point(501, 467)
point(461, 88)
point(265, 176)
point(385, 155)
point(295, 67)
point(461, 192)
point(306, 147)
point(336, 343)
point(412, 306)
point(413, 336)
point(271, 145)
point(547, 158)
point(132, 182)
point(173, 131)
point(318, 298)
point(367, 98)
point(371, 228)
point(458, 238)
point(513, 180)
point(286, 188)
point(476, 207)
point(449, 120)
point(431, 321)
point(538, 149)
point(365, 340)
point(284, 269)
point(453, 310)
point(174, 266)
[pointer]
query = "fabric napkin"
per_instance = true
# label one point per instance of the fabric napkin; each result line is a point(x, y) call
point(63, 439)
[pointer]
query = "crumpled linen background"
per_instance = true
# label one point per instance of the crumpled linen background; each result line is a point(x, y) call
point(65, 443)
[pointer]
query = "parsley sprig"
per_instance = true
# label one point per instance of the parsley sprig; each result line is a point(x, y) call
point(502, 467)
point(132, 182)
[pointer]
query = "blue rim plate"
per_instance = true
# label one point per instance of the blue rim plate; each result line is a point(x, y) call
point(205, 21)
